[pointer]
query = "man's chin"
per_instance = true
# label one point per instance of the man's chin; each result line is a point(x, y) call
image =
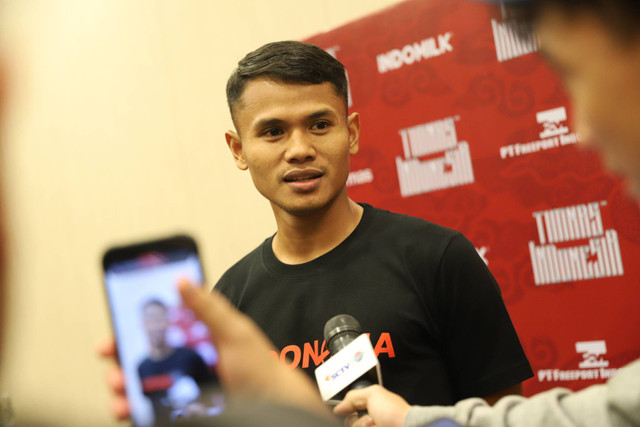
point(303, 209)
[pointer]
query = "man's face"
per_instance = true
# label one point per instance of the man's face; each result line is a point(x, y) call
point(156, 324)
point(602, 74)
point(296, 140)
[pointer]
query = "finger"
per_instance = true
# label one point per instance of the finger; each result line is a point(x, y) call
point(210, 307)
point(107, 348)
point(355, 400)
point(350, 419)
point(365, 421)
point(120, 408)
point(115, 379)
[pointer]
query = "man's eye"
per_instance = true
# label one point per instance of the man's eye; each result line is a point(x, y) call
point(321, 126)
point(272, 132)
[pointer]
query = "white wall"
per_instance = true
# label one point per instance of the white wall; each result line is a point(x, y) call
point(114, 132)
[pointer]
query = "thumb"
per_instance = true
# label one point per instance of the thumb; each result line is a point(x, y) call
point(355, 400)
point(210, 307)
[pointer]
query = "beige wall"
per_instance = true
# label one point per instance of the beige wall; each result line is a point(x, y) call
point(114, 132)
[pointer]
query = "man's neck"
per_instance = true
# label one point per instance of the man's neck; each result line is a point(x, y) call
point(303, 238)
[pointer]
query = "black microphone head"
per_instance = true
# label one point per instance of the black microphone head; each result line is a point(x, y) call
point(339, 331)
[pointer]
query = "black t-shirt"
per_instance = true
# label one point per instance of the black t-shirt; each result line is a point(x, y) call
point(433, 310)
point(157, 376)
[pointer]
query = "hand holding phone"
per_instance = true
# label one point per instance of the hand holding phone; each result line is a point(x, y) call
point(166, 355)
point(245, 363)
point(247, 366)
point(119, 405)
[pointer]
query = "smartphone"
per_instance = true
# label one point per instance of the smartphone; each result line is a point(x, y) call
point(168, 359)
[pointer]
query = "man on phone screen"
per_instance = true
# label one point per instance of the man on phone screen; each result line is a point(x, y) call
point(175, 379)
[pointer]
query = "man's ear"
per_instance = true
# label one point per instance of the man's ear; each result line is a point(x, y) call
point(353, 123)
point(235, 145)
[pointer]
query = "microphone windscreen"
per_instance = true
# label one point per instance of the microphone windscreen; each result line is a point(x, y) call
point(339, 331)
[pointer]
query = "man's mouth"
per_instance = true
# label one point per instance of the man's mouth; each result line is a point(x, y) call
point(302, 175)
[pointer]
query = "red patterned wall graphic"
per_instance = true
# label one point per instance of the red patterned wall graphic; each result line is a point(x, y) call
point(466, 126)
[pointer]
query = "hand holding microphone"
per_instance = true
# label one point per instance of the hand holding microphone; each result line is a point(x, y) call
point(353, 364)
point(382, 407)
point(341, 331)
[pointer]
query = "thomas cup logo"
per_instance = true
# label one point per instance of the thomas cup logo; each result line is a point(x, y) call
point(573, 245)
point(433, 158)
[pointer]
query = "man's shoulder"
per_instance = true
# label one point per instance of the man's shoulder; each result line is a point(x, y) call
point(421, 243)
point(411, 225)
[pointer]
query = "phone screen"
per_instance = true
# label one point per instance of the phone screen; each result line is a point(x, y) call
point(165, 352)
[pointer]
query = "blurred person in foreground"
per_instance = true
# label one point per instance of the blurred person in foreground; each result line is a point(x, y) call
point(595, 47)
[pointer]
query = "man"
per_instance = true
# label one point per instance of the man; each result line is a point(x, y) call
point(420, 290)
point(595, 47)
point(168, 368)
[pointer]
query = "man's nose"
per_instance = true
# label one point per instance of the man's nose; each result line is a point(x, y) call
point(300, 147)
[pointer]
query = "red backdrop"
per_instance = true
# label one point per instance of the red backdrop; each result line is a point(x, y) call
point(463, 126)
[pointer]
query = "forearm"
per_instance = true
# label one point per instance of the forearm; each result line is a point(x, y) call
point(557, 407)
point(515, 390)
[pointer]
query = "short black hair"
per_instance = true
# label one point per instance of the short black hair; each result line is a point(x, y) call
point(620, 16)
point(289, 62)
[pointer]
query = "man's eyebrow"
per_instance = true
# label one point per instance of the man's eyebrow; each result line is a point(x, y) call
point(320, 113)
point(268, 122)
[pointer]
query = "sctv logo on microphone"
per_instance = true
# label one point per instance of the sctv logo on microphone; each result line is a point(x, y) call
point(356, 358)
point(346, 366)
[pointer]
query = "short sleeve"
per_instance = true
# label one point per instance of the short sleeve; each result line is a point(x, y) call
point(480, 346)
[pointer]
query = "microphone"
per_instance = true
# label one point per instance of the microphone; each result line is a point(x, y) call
point(353, 363)
point(340, 331)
